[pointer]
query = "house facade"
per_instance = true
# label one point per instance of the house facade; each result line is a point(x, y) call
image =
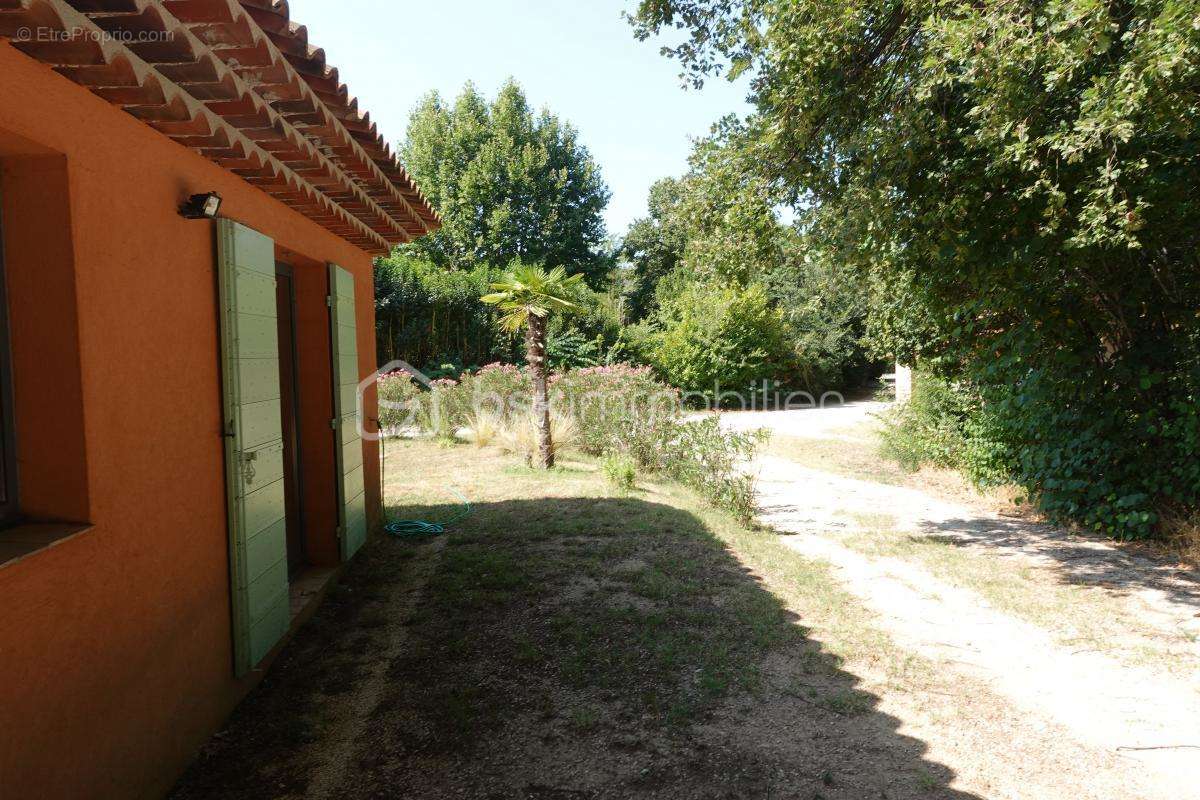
point(182, 470)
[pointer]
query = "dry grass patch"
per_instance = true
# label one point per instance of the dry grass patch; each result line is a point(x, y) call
point(570, 640)
point(854, 453)
point(851, 457)
point(1182, 533)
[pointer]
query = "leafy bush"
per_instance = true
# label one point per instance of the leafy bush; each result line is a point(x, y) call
point(702, 456)
point(634, 345)
point(570, 350)
point(929, 429)
point(947, 425)
point(597, 320)
point(1109, 451)
point(619, 408)
point(442, 414)
point(398, 395)
point(503, 389)
point(449, 404)
point(1084, 455)
point(624, 412)
point(726, 337)
point(620, 469)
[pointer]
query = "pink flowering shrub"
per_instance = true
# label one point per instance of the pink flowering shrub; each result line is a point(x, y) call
point(618, 408)
point(620, 411)
point(500, 388)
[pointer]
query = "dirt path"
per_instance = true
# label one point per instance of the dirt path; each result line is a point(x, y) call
point(937, 572)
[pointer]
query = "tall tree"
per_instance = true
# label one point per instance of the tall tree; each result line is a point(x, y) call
point(526, 296)
point(1017, 179)
point(717, 223)
point(509, 184)
point(654, 245)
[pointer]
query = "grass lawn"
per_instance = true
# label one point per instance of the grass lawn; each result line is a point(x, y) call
point(568, 640)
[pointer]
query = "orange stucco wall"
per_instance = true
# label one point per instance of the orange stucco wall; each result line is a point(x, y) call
point(115, 660)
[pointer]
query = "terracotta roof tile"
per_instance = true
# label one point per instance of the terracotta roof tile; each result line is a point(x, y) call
point(238, 83)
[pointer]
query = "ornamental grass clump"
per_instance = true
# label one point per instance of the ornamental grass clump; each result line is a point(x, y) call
point(484, 426)
point(522, 435)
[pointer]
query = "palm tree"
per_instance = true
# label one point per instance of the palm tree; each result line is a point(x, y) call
point(527, 295)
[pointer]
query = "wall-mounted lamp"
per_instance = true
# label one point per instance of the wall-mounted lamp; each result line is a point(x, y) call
point(201, 206)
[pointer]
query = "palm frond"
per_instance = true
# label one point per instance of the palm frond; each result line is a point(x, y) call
point(529, 290)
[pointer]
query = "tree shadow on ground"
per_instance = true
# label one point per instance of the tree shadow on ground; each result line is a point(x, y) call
point(1074, 558)
point(560, 648)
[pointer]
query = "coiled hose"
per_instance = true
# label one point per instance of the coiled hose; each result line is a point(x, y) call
point(416, 527)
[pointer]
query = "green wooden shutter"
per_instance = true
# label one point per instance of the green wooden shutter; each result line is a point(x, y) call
point(253, 443)
point(352, 499)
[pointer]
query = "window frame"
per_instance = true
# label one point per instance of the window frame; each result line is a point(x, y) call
point(9, 502)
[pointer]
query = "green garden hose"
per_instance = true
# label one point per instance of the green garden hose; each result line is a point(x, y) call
point(416, 527)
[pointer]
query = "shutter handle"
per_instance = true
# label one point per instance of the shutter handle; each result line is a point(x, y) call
point(248, 459)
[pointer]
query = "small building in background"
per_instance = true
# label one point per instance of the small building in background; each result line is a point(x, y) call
point(904, 383)
point(900, 382)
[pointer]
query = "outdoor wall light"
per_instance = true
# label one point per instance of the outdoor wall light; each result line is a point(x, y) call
point(201, 206)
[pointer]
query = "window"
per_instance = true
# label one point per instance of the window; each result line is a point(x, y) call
point(42, 443)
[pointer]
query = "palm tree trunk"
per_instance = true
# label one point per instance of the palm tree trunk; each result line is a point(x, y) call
point(535, 340)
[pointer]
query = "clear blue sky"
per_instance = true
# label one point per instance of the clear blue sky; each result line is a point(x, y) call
point(578, 57)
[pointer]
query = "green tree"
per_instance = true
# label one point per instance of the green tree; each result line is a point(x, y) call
point(717, 223)
point(526, 296)
point(430, 316)
point(716, 226)
point(508, 183)
point(653, 246)
point(1017, 183)
point(721, 339)
point(825, 304)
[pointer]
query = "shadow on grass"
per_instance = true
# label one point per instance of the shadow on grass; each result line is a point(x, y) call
point(561, 648)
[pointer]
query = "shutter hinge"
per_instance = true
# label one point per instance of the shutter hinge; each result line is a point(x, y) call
point(329, 300)
point(333, 423)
